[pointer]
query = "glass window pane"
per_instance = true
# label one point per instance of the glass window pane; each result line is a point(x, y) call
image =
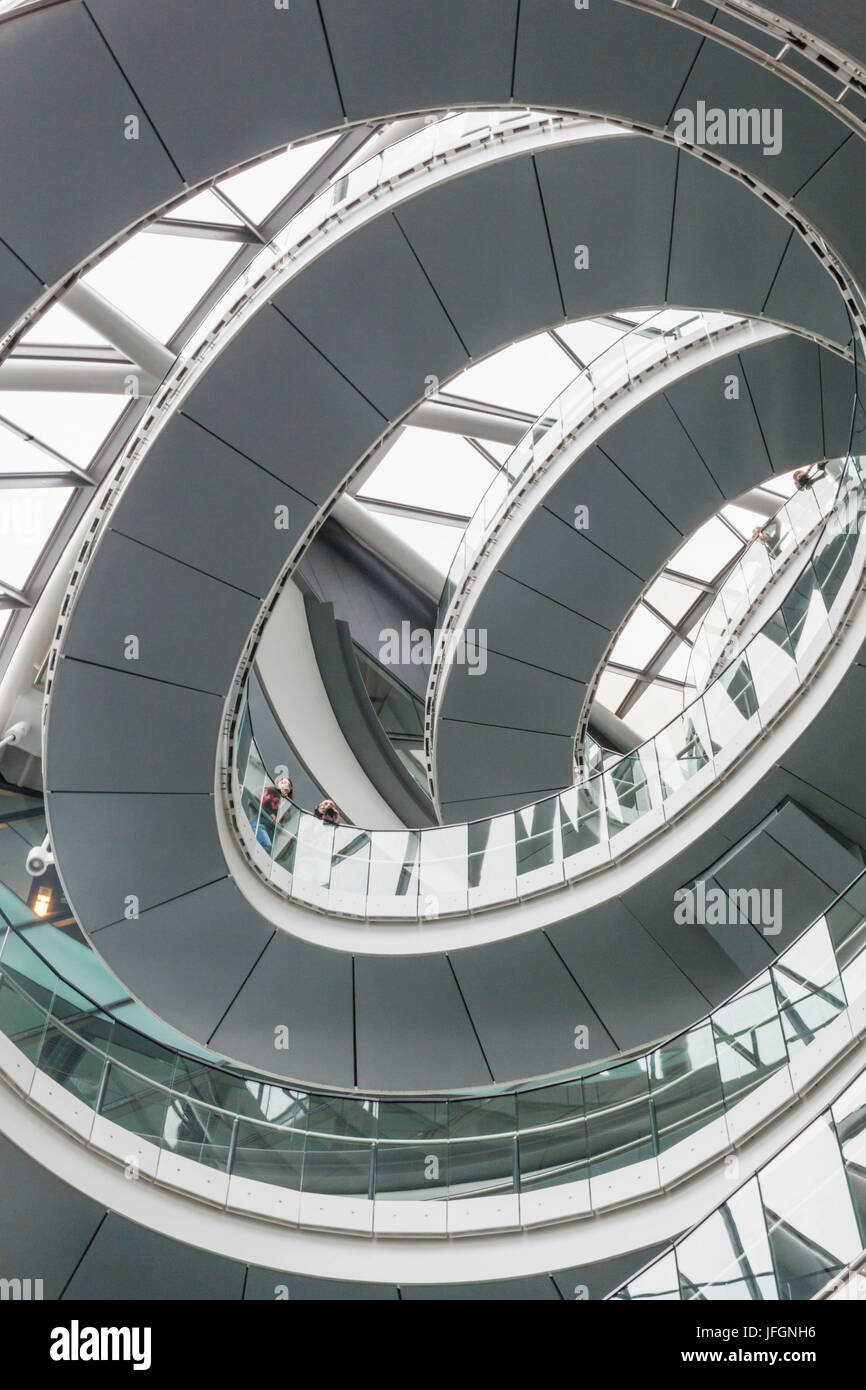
point(810, 1218)
point(618, 1120)
point(270, 1155)
point(728, 1255)
point(749, 1041)
point(686, 1085)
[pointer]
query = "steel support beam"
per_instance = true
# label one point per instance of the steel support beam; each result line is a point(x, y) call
point(133, 341)
point(366, 527)
point(34, 480)
point(484, 424)
point(405, 509)
point(90, 378)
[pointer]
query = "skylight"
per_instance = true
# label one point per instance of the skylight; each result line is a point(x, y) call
point(19, 455)
point(431, 470)
point(709, 550)
point(589, 338)
point(61, 328)
point(657, 649)
point(155, 281)
point(435, 542)
point(640, 639)
point(435, 467)
point(524, 377)
point(74, 424)
point(27, 518)
point(258, 190)
point(205, 207)
point(158, 280)
point(672, 600)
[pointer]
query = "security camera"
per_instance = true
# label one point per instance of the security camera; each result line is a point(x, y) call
point(15, 734)
point(39, 859)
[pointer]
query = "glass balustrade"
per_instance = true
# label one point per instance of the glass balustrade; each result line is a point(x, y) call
point(781, 536)
point(456, 869)
point(795, 1225)
point(437, 141)
point(434, 873)
point(426, 1148)
point(637, 351)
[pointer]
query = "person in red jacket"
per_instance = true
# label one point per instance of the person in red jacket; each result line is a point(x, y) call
point(269, 809)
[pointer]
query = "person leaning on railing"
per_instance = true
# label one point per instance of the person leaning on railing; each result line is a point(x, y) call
point(770, 533)
point(803, 477)
point(272, 800)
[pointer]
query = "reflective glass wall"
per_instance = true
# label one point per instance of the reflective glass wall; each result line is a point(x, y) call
point(74, 1021)
point(784, 1234)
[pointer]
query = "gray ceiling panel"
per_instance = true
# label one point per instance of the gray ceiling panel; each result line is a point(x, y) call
point(189, 628)
point(70, 154)
point(603, 58)
point(134, 837)
point(652, 902)
point(188, 956)
point(305, 989)
point(725, 431)
point(813, 845)
point(538, 1288)
point(785, 388)
point(553, 557)
point(368, 306)
point(527, 625)
point(18, 287)
point(686, 449)
point(266, 75)
point(207, 505)
point(804, 293)
point(602, 1277)
point(837, 392)
point(102, 1256)
point(807, 134)
point(415, 998)
point(615, 197)
point(595, 956)
point(549, 702)
point(621, 519)
point(844, 22)
point(127, 1261)
point(836, 198)
point(483, 242)
point(670, 471)
point(727, 245)
point(526, 1008)
point(474, 758)
point(791, 896)
point(765, 799)
point(391, 56)
point(265, 1285)
point(276, 399)
point(828, 755)
point(744, 944)
point(730, 24)
point(111, 731)
point(779, 784)
point(45, 1223)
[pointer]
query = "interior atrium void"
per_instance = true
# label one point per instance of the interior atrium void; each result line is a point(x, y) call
point(432, 632)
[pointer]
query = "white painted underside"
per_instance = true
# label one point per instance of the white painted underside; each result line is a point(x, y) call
point(464, 1255)
point(290, 673)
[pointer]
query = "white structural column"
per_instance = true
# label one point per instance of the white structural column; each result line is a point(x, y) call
point(290, 673)
point(129, 337)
